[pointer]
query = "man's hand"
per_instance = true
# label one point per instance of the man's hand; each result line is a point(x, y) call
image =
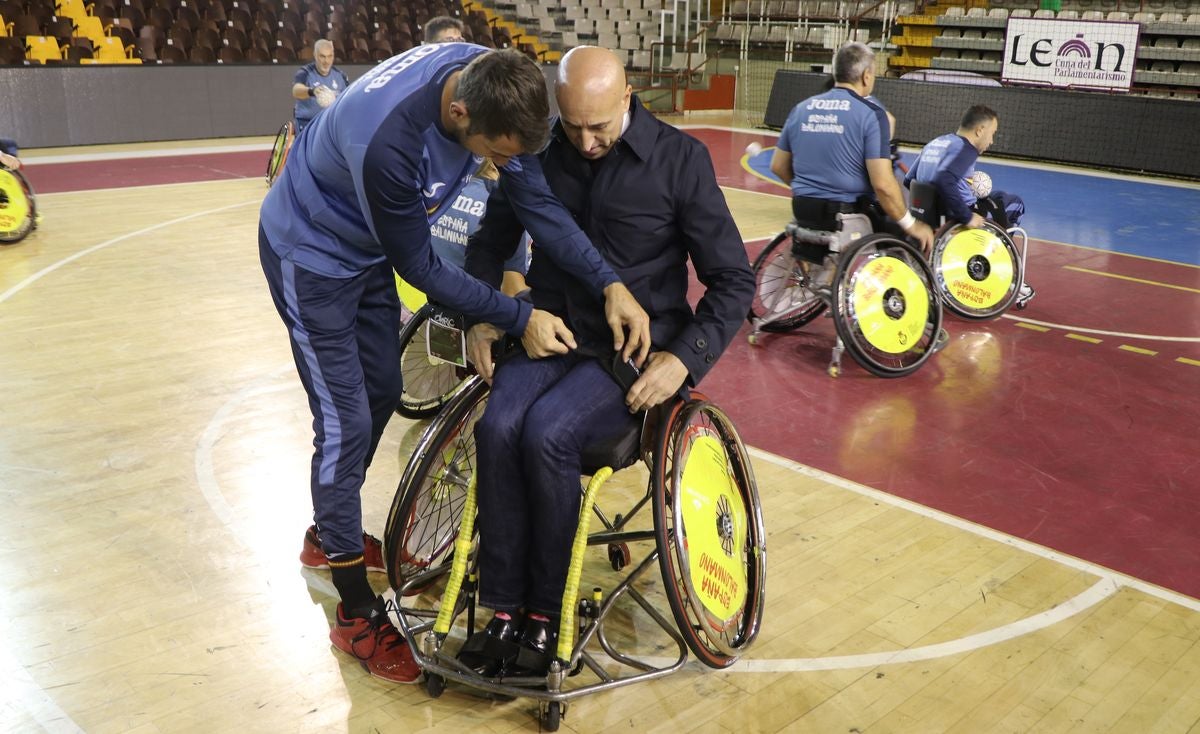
point(9, 161)
point(923, 234)
point(546, 334)
point(480, 339)
point(976, 221)
point(622, 311)
point(662, 378)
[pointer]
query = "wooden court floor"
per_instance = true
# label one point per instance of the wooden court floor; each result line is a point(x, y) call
point(154, 444)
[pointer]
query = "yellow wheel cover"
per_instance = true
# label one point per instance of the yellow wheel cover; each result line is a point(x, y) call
point(412, 298)
point(13, 213)
point(956, 258)
point(874, 291)
point(714, 517)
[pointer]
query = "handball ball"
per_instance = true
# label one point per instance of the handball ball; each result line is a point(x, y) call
point(981, 184)
point(753, 149)
point(325, 96)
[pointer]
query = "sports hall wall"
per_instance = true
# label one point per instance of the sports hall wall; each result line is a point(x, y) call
point(1135, 133)
point(89, 105)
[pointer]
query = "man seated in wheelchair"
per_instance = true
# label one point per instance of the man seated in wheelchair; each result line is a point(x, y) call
point(835, 152)
point(647, 196)
point(964, 194)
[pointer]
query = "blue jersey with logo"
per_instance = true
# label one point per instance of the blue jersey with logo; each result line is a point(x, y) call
point(947, 162)
point(366, 179)
point(307, 109)
point(450, 231)
point(830, 137)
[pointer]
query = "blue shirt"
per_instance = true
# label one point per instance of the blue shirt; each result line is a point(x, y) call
point(831, 137)
point(947, 162)
point(307, 109)
point(9, 147)
point(450, 232)
point(366, 179)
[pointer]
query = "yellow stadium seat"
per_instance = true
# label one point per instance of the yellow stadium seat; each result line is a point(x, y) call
point(42, 49)
point(111, 51)
point(73, 9)
point(3, 27)
point(90, 27)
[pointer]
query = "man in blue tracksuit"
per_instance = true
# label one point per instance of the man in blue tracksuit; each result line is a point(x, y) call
point(355, 201)
point(948, 164)
point(316, 84)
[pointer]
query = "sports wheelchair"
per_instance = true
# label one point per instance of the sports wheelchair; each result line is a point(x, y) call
point(18, 207)
point(279, 150)
point(978, 272)
point(707, 531)
point(878, 287)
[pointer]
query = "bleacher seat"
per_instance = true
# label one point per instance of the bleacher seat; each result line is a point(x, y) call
point(955, 11)
point(1092, 15)
point(42, 49)
point(111, 50)
point(1068, 15)
point(1117, 15)
point(998, 13)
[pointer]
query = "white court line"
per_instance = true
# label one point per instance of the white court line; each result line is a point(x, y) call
point(94, 248)
point(34, 160)
point(1102, 332)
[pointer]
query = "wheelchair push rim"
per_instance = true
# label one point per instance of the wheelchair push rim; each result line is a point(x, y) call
point(782, 301)
point(424, 519)
point(428, 384)
point(887, 314)
point(18, 211)
point(977, 271)
point(711, 540)
point(280, 150)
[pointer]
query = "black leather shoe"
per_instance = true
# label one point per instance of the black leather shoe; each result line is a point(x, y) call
point(537, 647)
point(487, 652)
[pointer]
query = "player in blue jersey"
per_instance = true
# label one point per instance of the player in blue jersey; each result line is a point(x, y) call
point(8, 154)
point(834, 151)
point(317, 84)
point(355, 201)
point(948, 164)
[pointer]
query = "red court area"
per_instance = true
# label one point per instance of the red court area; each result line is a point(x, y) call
point(1075, 425)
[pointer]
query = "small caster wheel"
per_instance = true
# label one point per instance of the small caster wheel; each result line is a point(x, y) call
point(835, 370)
point(552, 716)
point(434, 684)
point(618, 555)
point(753, 339)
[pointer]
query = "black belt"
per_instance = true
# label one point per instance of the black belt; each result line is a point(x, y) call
point(820, 213)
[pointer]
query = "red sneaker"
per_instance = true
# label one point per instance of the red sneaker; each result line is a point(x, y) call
point(311, 555)
point(377, 644)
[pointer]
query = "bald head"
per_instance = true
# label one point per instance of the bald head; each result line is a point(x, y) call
point(593, 97)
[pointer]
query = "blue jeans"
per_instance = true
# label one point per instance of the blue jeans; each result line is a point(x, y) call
point(540, 416)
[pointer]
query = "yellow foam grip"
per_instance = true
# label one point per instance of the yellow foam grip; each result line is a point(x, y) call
point(566, 627)
point(458, 569)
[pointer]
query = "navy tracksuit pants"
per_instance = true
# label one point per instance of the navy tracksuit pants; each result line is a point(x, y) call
point(345, 341)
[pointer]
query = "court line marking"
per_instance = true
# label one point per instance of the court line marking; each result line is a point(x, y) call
point(1102, 332)
point(121, 238)
point(1109, 582)
point(33, 161)
point(1101, 273)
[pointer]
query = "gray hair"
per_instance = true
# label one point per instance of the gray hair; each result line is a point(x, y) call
point(320, 44)
point(851, 62)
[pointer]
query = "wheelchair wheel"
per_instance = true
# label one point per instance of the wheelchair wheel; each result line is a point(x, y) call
point(424, 519)
point(977, 271)
point(280, 150)
point(887, 313)
point(779, 289)
point(18, 207)
point(428, 383)
point(709, 528)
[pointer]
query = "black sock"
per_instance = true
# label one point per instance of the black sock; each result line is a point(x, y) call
point(350, 578)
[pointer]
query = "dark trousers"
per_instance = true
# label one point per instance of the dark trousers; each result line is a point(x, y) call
point(344, 335)
point(539, 417)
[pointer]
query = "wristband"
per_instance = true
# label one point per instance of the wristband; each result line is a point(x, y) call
point(907, 221)
point(312, 91)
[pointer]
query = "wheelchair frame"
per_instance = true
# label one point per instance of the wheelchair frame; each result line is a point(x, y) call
point(865, 299)
point(14, 227)
point(280, 150)
point(582, 621)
